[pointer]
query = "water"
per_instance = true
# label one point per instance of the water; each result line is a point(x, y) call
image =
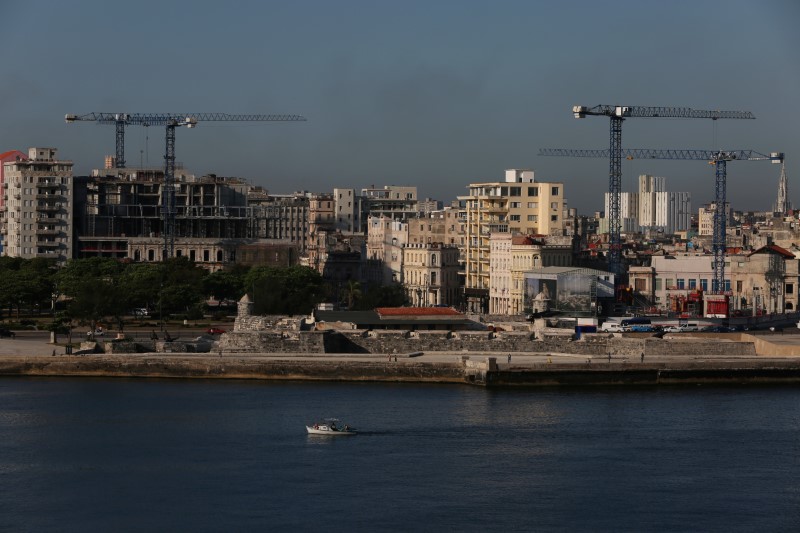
point(128, 455)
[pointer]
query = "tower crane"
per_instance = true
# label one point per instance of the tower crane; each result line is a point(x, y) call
point(618, 114)
point(170, 121)
point(718, 158)
point(120, 120)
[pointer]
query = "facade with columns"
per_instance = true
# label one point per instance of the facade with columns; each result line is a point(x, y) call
point(430, 274)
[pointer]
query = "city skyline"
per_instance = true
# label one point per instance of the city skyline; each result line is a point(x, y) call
point(434, 96)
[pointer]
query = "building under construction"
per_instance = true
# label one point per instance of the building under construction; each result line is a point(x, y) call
point(120, 215)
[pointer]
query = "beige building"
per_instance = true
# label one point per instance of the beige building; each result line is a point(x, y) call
point(517, 205)
point(39, 206)
point(764, 281)
point(511, 257)
point(430, 272)
point(321, 220)
point(385, 241)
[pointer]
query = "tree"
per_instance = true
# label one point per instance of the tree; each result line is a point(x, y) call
point(287, 290)
point(92, 286)
point(352, 293)
point(181, 285)
point(225, 284)
point(25, 282)
point(382, 296)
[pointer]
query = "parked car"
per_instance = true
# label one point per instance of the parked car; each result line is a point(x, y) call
point(612, 327)
point(215, 331)
point(5, 332)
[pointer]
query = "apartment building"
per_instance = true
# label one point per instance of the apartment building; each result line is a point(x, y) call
point(430, 274)
point(38, 197)
point(385, 241)
point(517, 205)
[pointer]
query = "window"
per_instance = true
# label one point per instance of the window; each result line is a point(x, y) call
point(692, 284)
point(704, 285)
point(533, 191)
point(554, 191)
point(514, 218)
point(658, 284)
point(532, 218)
point(681, 283)
point(554, 218)
point(533, 205)
point(739, 286)
point(514, 205)
point(516, 191)
point(789, 288)
point(727, 285)
point(553, 205)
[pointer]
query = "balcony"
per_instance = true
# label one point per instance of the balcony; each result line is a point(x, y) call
point(48, 255)
point(48, 207)
point(48, 244)
point(48, 220)
point(49, 196)
point(49, 232)
point(46, 184)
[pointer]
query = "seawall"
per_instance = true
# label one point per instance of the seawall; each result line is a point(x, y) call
point(480, 371)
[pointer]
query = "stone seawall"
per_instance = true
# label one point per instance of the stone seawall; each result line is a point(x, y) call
point(481, 371)
point(230, 368)
point(389, 342)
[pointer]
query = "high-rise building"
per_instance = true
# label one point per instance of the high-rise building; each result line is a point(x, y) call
point(39, 207)
point(517, 205)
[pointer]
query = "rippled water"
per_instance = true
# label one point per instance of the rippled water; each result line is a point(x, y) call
point(116, 455)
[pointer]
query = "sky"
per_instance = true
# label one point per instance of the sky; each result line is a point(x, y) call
point(436, 94)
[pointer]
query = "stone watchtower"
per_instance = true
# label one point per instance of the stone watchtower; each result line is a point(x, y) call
point(243, 313)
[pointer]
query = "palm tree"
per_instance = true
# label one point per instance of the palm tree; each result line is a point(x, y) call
point(352, 293)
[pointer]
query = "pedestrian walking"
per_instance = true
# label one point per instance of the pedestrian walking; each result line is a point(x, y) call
point(642, 357)
point(609, 357)
point(509, 358)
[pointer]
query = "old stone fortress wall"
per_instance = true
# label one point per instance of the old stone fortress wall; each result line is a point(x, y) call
point(279, 334)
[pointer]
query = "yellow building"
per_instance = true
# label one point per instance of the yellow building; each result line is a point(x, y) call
point(517, 205)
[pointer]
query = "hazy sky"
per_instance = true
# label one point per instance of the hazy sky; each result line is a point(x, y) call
point(435, 94)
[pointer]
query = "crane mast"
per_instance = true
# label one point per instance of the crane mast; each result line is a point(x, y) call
point(719, 158)
point(617, 114)
point(170, 121)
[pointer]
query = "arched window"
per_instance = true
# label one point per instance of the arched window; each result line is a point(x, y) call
point(789, 306)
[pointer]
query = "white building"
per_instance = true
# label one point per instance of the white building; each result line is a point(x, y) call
point(628, 211)
point(39, 209)
point(705, 218)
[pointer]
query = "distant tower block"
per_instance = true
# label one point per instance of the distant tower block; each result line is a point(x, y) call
point(783, 205)
point(110, 162)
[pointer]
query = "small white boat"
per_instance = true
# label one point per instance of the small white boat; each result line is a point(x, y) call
point(332, 427)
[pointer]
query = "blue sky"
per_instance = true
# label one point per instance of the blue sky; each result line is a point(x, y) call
point(435, 94)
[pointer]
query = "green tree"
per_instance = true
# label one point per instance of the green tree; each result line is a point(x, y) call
point(25, 283)
point(93, 290)
point(225, 284)
point(351, 293)
point(382, 296)
point(181, 285)
point(288, 290)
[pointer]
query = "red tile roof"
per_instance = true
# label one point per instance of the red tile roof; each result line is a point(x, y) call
point(14, 153)
point(774, 248)
point(417, 311)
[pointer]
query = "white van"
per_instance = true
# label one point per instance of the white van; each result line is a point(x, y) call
point(612, 327)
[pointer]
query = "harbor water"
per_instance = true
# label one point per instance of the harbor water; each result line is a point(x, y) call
point(224, 455)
